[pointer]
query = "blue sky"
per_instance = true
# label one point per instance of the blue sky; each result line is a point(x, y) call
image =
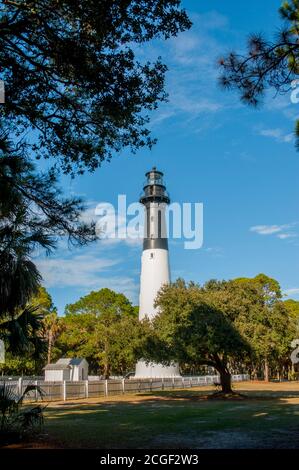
point(239, 162)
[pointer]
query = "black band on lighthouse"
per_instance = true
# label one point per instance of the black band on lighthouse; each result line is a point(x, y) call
point(152, 243)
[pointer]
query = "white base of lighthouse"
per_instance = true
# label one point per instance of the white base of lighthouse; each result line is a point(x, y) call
point(154, 274)
point(144, 370)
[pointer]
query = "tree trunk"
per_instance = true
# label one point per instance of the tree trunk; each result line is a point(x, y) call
point(225, 375)
point(226, 381)
point(266, 371)
point(254, 373)
point(106, 371)
point(50, 347)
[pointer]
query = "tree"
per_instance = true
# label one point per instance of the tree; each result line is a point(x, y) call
point(292, 307)
point(17, 420)
point(102, 327)
point(32, 204)
point(255, 307)
point(267, 64)
point(19, 280)
point(16, 364)
point(52, 328)
point(51, 323)
point(27, 355)
point(100, 302)
point(74, 85)
point(21, 333)
point(32, 216)
point(71, 74)
point(239, 325)
point(189, 330)
point(78, 338)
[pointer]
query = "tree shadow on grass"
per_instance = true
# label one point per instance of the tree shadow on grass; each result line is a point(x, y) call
point(195, 395)
point(176, 423)
point(176, 419)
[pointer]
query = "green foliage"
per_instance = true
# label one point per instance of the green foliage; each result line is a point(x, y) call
point(101, 302)
point(290, 11)
point(257, 311)
point(72, 81)
point(52, 325)
point(242, 323)
point(191, 330)
point(21, 332)
point(32, 216)
point(102, 327)
point(17, 421)
point(19, 365)
point(267, 64)
point(33, 212)
point(71, 74)
point(26, 336)
point(292, 307)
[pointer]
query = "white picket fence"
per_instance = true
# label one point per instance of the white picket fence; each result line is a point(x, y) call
point(66, 390)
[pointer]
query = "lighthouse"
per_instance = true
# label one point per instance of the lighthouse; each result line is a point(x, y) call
point(154, 262)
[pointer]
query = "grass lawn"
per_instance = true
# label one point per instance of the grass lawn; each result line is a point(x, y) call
point(268, 417)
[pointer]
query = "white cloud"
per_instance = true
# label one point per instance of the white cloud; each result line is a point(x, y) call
point(214, 251)
point(87, 272)
point(191, 81)
point(277, 134)
point(79, 270)
point(284, 236)
point(211, 20)
point(293, 291)
point(276, 102)
point(268, 229)
point(280, 231)
point(123, 284)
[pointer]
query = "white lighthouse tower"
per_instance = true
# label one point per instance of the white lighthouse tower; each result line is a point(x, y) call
point(154, 262)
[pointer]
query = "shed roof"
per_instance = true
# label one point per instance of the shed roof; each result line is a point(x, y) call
point(71, 361)
point(56, 367)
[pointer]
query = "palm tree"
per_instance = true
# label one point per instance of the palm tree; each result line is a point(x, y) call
point(19, 280)
point(52, 328)
point(15, 421)
point(19, 277)
point(22, 333)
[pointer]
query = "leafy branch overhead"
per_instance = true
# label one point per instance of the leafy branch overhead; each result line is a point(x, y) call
point(32, 206)
point(33, 214)
point(72, 75)
point(266, 64)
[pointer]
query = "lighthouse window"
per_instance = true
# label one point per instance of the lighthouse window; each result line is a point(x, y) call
point(152, 255)
point(159, 224)
point(148, 224)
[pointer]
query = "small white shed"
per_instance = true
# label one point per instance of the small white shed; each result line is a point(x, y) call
point(57, 372)
point(68, 368)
